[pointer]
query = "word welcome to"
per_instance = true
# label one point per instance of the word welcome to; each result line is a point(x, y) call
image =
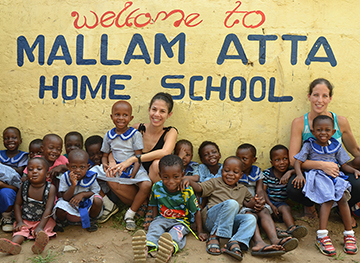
point(130, 16)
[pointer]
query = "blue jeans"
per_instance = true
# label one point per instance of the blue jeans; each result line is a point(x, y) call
point(224, 219)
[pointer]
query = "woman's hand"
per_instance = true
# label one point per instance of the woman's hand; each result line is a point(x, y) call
point(330, 168)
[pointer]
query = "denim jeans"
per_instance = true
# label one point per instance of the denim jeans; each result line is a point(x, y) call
point(224, 219)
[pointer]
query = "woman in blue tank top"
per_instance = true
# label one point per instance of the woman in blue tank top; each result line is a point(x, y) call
point(320, 95)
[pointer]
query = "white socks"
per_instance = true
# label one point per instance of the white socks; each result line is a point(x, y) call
point(129, 214)
point(349, 233)
point(322, 233)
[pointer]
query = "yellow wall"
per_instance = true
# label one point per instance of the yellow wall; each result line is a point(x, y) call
point(226, 122)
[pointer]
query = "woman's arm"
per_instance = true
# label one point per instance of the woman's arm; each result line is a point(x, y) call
point(295, 138)
point(348, 137)
point(169, 145)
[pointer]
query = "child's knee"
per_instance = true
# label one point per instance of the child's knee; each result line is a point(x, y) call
point(97, 201)
point(232, 204)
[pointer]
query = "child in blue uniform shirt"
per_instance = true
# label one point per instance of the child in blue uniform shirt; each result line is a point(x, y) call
point(12, 156)
point(172, 209)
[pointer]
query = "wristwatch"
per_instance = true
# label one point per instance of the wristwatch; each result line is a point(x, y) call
point(138, 156)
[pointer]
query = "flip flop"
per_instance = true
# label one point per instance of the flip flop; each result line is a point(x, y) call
point(297, 231)
point(166, 248)
point(289, 245)
point(281, 233)
point(139, 246)
point(267, 253)
point(7, 246)
point(41, 241)
point(232, 252)
point(214, 245)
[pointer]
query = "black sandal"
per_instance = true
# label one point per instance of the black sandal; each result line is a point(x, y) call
point(233, 250)
point(214, 245)
point(148, 219)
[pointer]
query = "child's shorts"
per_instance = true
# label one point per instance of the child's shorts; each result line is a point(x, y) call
point(27, 232)
point(278, 204)
point(248, 209)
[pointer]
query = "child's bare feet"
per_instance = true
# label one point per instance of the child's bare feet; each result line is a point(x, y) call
point(310, 212)
point(288, 243)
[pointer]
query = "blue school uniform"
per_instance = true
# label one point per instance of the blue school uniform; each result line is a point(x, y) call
point(20, 160)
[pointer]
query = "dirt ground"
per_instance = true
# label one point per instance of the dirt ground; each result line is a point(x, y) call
point(112, 243)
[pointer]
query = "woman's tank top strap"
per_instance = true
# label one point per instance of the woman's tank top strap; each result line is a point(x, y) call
point(307, 132)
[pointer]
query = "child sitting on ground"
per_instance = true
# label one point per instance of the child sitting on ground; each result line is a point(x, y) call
point(33, 205)
point(73, 140)
point(172, 209)
point(51, 151)
point(79, 191)
point(12, 156)
point(35, 148)
point(253, 179)
point(9, 185)
point(93, 148)
point(184, 149)
point(226, 197)
point(209, 154)
point(275, 183)
point(323, 189)
point(124, 142)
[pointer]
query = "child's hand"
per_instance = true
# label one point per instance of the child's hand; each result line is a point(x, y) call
point(37, 230)
point(259, 203)
point(285, 178)
point(73, 178)
point(182, 152)
point(357, 174)
point(24, 178)
point(19, 225)
point(298, 182)
point(105, 167)
point(202, 236)
point(185, 182)
point(275, 210)
point(110, 171)
point(74, 202)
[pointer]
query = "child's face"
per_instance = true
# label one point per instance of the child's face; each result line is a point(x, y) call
point(210, 156)
point(171, 177)
point(323, 130)
point(37, 171)
point(34, 149)
point(73, 142)
point(247, 158)
point(280, 160)
point(186, 152)
point(95, 154)
point(231, 172)
point(51, 148)
point(121, 115)
point(11, 139)
point(79, 165)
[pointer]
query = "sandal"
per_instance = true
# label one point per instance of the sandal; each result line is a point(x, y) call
point(139, 246)
point(9, 247)
point(350, 246)
point(93, 226)
point(166, 248)
point(297, 231)
point(130, 224)
point(325, 246)
point(281, 233)
point(213, 245)
point(288, 243)
point(148, 219)
point(41, 241)
point(141, 211)
point(231, 248)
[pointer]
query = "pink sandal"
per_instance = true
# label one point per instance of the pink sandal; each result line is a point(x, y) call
point(7, 246)
point(41, 241)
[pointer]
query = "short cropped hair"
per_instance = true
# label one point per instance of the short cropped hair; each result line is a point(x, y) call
point(323, 117)
point(248, 146)
point(41, 159)
point(182, 142)
point(170, 160)
point(95, 139)
point(277, 147)
point(205, 143)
